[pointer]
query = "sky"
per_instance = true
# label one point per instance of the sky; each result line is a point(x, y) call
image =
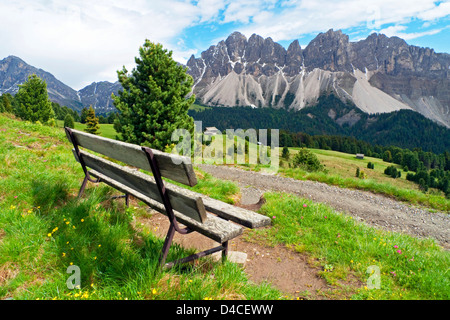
point(85, 41)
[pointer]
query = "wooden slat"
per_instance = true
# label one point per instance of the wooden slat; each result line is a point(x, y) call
point(142, 183)
point(214, 227)
point(171, 166)
point(247, 218)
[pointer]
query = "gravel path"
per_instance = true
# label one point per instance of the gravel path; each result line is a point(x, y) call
point(376, 210)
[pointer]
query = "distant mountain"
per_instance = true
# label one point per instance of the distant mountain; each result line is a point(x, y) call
point(378, 74)
point(98, 94)
point(15, 71)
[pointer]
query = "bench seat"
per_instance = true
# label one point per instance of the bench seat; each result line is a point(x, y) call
point(214, 227)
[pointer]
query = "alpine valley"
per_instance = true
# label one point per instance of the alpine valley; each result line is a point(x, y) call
point(380, 83)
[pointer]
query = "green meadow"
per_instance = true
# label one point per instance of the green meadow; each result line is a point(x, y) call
point(45, 229)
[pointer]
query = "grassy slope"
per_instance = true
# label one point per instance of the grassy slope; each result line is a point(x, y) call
point(341, 172)
point(408, 268)
point(43, 229)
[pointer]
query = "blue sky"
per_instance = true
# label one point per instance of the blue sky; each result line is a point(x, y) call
point(83, 41)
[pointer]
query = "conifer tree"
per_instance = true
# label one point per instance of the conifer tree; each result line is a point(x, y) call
point(154, 101)
point(69, 121)
point(33, 102)
point(91, 122)
point(83, 116)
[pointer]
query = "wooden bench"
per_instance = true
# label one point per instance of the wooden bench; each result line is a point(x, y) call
point(196, 212)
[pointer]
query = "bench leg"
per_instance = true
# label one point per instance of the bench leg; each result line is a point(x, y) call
point(166, 246)
point(225, 251)
point(83, 185)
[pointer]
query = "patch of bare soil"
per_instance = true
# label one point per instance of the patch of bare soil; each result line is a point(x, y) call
point(288, 271)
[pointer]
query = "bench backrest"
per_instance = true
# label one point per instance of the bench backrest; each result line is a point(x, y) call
point(171, 166)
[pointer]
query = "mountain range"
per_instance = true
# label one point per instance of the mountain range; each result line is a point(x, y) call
point(14, 71)
point(379, 74)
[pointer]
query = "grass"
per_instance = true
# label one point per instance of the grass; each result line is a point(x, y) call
point(341, 168)
point(106, 130)
point(45, 229)
point(409, 268)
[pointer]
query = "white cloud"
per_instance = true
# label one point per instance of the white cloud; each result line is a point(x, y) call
point(82, 41)
point(436, 12)
point(398, 31)
point(311, 16)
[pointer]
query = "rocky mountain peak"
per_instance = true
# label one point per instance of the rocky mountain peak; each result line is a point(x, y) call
point(260, 72)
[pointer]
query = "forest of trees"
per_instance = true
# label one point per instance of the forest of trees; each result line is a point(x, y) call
point(404, 129)
point(406, 138)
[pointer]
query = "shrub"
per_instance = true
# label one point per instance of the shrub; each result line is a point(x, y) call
point(69, 122)
point(285, 153)
point(393, 172)
point(307, 160)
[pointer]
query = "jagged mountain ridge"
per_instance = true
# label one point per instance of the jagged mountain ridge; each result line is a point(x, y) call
point(378, 74)
point(14, 71)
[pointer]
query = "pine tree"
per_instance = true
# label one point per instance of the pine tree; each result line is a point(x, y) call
point(84, 113)
point(91, 122)
point(285, 153)
point(68, 121)
point(33, 102)
point(7, 102)
point(154, 99)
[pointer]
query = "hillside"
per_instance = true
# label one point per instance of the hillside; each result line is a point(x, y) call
point(330, 116)
point(44, 229)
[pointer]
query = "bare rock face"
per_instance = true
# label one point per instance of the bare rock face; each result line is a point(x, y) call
point(379, 74)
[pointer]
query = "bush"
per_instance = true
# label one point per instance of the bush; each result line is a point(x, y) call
point(393, 172)
point(285, 153)
point(69, 122)
point(307, 160)
point(371, 165)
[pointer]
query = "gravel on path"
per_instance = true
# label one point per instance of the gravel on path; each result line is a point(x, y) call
point(374, 209)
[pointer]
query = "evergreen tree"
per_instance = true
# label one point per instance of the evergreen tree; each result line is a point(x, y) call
point(285, 153)
point(69, 121)
point(154, 100)
point(84, 113)
point(2, 103)
point(91, 122)
point(387, 156)
point(33, 102)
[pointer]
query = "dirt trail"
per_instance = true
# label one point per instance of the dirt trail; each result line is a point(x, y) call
point(376, 210)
